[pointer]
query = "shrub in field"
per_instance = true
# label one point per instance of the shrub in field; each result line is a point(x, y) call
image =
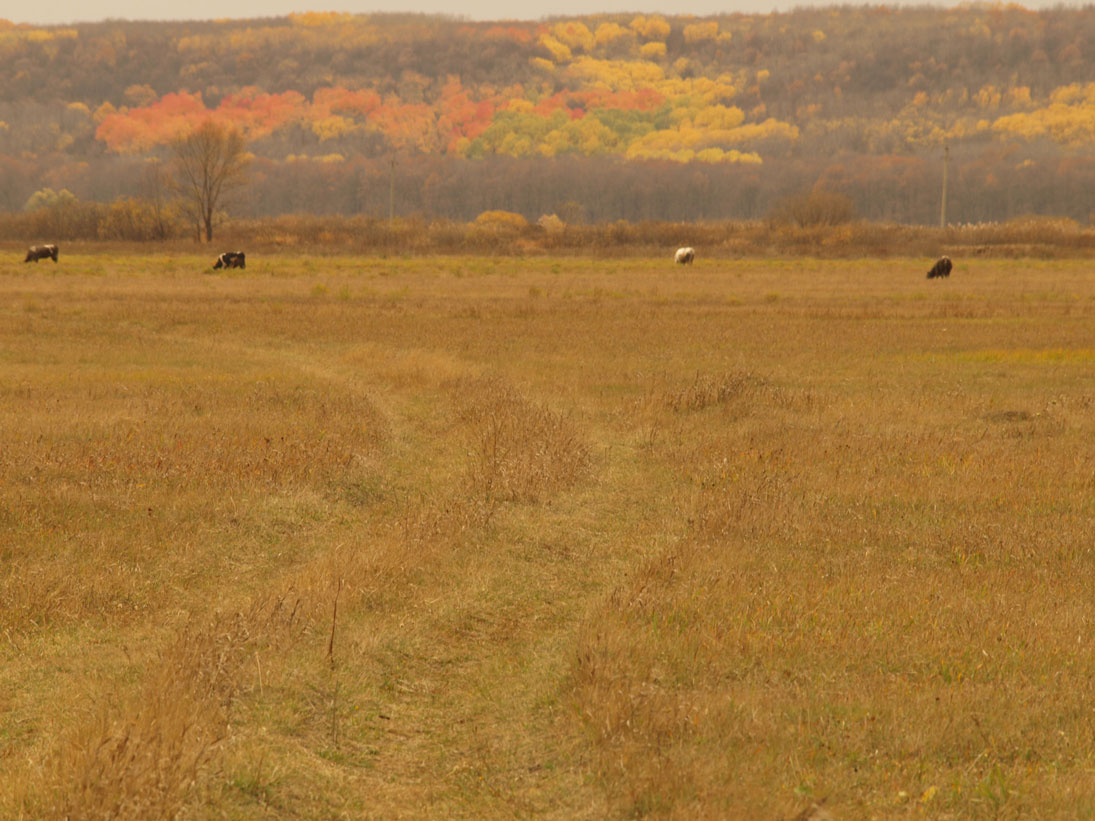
point(813, 209)
point(501, 221)
point(60, 215)
point(135, 219)
point(522, 450)
point(499, 231)
point(551, 224)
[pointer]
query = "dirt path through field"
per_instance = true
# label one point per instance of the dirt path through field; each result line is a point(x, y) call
point(450, 695)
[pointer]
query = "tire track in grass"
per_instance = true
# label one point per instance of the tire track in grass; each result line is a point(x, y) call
point(459, 678)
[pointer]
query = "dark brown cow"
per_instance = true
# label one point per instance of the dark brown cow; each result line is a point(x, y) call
point(230, 259)
point(37, 252)
point(942, 268)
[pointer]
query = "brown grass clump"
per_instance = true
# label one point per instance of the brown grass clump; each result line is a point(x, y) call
point(708, 390)
point(522, 450)
point(140, 759)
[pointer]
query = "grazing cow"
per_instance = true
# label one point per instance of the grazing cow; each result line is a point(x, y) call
point(684, 256)
point(37, 252)
point(230, 259)
point(941, 269)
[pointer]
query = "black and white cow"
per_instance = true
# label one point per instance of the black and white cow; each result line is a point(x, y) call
point(942, 268)
point(37, 252)
point(684, 256)
point(230, 259)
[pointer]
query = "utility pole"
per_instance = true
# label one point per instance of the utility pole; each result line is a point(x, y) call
point(943, 207)
point(391, 193)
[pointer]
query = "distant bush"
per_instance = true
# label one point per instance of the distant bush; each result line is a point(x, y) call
point(131, 218)
point(813, 209)
point(59, 215)
point(501, 221)
point(551, 223)
point(47, 199)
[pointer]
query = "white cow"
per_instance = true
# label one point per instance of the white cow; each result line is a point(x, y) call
point(685, 256)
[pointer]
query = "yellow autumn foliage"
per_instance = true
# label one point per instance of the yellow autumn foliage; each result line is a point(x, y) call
point(1073, 93)
point(718, 117)
point(332, 127)
point(700, 91)
point(320, 18)
point(519, 105)
point(103, 111)
point(1019, 96)
point(501, 221)
point(770, 129)
point(657, 150)
point(988, 97)
point(616, 75)
point(575, 35)
point(608, 33)
point(654, 27)
point(1072, 125)
point(699, 32)
point(560, 52)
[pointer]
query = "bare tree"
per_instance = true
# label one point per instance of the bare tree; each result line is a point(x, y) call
point(210, 163)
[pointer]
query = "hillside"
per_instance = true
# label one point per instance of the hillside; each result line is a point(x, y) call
point(602, 117)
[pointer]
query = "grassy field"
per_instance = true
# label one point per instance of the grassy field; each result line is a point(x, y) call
point(494, 537)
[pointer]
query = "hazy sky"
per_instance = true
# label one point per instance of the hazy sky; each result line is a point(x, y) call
point(69, 11)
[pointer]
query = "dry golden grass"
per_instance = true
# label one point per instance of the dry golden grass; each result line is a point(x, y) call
point(823, 233)
point(482, 537)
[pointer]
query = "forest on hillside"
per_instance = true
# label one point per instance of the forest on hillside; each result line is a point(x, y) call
point(598, 118)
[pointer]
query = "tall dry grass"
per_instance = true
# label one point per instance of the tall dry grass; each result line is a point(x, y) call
point(100, 227)
point(563, 537)
point(1022, 237)
point(878, 602)
point(524, 451)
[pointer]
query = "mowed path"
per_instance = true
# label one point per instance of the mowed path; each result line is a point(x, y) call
point(464, 672)
point(451, 692)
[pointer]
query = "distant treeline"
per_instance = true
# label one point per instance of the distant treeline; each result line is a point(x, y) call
point(599, 118)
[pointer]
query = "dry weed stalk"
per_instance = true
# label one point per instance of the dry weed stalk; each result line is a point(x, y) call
point(523, 450)
point(709, 390)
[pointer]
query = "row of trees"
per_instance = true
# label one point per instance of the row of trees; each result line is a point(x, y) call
point(585, 190)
